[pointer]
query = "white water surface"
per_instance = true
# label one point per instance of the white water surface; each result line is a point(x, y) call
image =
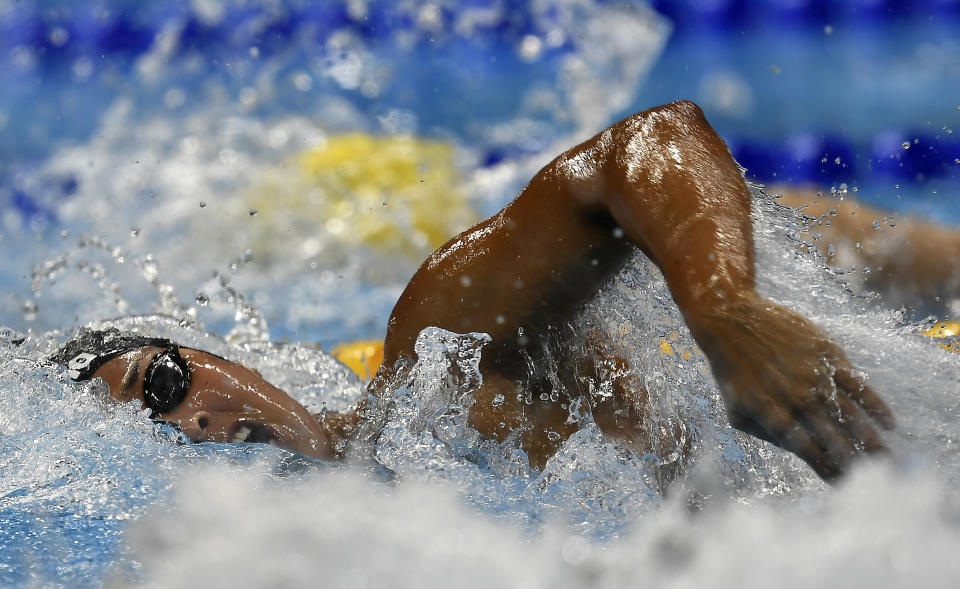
point(94, 492)
point(431, 502)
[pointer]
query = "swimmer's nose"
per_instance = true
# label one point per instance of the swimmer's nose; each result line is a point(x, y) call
point(197, 426)
point(286, 429)
point(201, 419)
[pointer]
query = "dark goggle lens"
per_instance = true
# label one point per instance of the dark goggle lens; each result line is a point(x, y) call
point(166, 382)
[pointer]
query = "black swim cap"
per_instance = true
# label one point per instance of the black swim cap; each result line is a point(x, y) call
point(91, 348)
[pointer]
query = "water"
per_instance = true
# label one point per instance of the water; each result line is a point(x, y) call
point(142, 209)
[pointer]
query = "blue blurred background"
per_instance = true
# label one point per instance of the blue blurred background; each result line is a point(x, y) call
point(803, 90)
point(118, 116)
point(145, 123)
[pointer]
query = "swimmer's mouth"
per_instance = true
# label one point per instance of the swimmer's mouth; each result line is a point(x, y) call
point(252, 432)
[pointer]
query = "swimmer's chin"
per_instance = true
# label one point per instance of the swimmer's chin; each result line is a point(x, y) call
point(311, 439)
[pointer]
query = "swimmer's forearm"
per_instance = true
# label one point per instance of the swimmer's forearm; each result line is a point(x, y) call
point(683, 200)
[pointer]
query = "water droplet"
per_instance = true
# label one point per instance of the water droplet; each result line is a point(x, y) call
point(150, 270)
point(876, 224)
point(30, 309)
point(497, 400)
point(831, 250)
point(202, 299)
point(837, 161)
point(302, 81)
point(465, 281)
point(135, 232)
point(203, 204)
point(905, 145)
point(553, 436)
point(253, 212)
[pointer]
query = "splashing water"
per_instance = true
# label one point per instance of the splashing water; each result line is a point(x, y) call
point(92, 466)
point(93, 491)
point(743, 513)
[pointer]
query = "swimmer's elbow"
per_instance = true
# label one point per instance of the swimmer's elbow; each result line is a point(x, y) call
point(686, 107)
point(682, 109)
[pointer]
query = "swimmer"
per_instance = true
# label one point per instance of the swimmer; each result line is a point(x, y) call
point(661, 181)
point(909, 261)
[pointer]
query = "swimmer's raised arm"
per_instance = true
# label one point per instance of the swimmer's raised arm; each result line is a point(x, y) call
point(664, 181)
point(676, 191)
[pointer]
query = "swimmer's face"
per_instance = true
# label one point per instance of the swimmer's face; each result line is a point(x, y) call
point(215, 400)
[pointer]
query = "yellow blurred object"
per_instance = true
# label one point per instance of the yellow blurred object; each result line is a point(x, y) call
point(946, 329)
point(400, 195)
point(665, 348)
point(363, 357)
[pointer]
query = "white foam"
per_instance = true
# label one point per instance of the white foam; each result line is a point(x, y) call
point(227, 528)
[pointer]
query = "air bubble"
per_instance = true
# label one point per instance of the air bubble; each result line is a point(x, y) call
point(30, 309)
point(254, 212)
point(202, 299)
point(905, 145)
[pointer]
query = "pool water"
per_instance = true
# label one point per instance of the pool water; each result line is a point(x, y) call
point(215, 173)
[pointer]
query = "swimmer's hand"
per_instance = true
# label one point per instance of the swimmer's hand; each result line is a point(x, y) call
point(784, 381)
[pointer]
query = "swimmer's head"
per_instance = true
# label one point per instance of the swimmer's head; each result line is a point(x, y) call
point(208, 397)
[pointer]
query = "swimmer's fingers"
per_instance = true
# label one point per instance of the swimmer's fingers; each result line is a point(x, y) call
point(804, 442)
point(777, 426)
point(865, 397)
point(840, 428)
point(834, 441)
point(857, 427)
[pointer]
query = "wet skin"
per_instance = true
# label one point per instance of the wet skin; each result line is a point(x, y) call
point(225, 402)
point(661, 181)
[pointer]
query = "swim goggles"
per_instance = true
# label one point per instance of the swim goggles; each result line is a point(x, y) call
point(167, 378)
